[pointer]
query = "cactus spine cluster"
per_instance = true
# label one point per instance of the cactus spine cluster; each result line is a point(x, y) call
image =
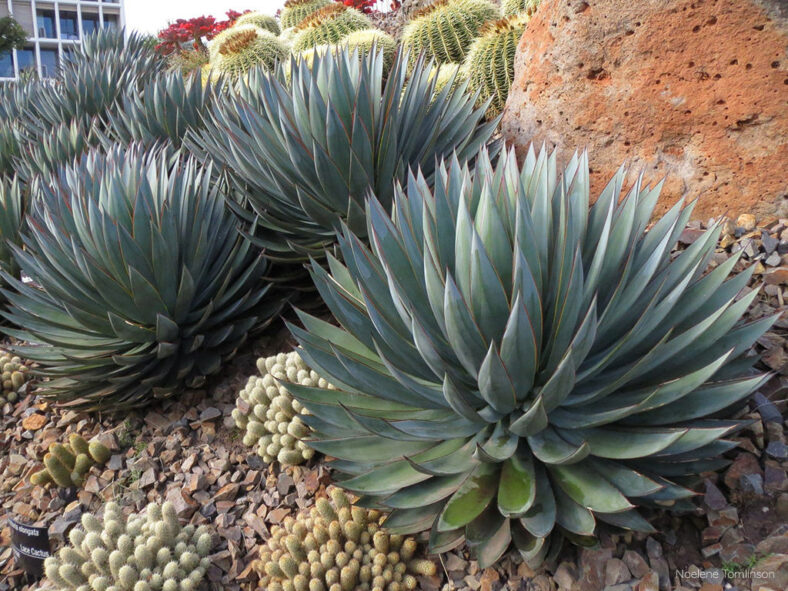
point(295, 11)
point(445, 29)
point(447, 74)
point(338, 547)
point(149, 552)
point(243, 47)
point(513, 7)
point(329, 25)
point(272, 421)
point(259, 19)
point(15, 374)
point(67, 464)
point(366, 39)
point(489, 66)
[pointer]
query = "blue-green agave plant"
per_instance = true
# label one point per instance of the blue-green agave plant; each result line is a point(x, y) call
point(304, 146)
point(141, 284)
point(512, 366)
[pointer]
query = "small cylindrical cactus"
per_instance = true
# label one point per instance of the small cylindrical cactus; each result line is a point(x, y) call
point(315, 552)
point(271, 417)
point(117, 555)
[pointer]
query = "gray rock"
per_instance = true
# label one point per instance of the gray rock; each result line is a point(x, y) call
point(714, 499)
point(616, 572)
point(751, 483)
point(767, 409)
point(635, 563)
point(777, 449)
point(653, 548)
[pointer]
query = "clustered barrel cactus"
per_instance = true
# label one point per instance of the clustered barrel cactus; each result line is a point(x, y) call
point(269, 414)
point(259, 19)
point(489, 65)
point(67, 464)
point(149, 552)
point(514, 367)
point(445, 29)
point(245, 47)
point(328, 25)
point(339, 547)
point(514, 7)
point(142, 284)
point(295, 11)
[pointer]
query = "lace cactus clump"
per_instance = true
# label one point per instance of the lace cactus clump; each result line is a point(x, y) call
point(268, 413)
point(337, 546)
point(150, 552)
point(14, 375)
point(66, 465)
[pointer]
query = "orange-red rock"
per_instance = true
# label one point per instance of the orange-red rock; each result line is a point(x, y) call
point(697, 89)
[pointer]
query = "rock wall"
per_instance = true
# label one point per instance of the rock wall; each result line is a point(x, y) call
point(695, 89)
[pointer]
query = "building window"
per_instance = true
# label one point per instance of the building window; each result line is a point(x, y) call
point(68, 25)
point(26, 59)
point(90, 23)
point(7, 64)
point(46, 24)
point(49, 63)
point(110, 21)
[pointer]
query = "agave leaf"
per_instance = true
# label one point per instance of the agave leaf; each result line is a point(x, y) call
point(517, 487)
point(470, 500)
point(587, 487)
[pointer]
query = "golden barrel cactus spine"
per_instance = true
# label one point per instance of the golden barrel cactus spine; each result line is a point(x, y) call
point(259, 19)
point(149, 552)
point(295, 11)
point(270, 415)
point(445, 29)
point(337, 546)
point(329, 25)
point(367, 39)
point(514, 7)
point(245, 47)
point(489, 65)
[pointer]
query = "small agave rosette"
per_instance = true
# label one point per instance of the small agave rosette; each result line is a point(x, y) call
point(513, 365)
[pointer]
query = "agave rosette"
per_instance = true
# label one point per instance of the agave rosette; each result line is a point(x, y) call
point(142, 285)
point(303, 148)
point(512, 366)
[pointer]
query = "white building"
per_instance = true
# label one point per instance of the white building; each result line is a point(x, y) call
point(54, 27)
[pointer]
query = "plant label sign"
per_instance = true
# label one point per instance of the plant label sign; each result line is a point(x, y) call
point(31, 547)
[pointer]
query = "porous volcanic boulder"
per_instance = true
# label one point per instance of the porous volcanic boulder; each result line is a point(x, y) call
point(695, 89)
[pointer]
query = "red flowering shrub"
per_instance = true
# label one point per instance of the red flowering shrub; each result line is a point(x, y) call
point(190, 34)
point(365, 6)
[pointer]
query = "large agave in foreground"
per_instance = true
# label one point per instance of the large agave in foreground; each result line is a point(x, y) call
point(511, 366)
point(304, 150)
point(141, 283)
